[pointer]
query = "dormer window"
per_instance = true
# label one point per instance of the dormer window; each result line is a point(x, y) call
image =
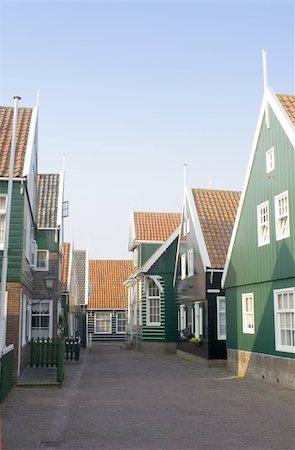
point(270, 160)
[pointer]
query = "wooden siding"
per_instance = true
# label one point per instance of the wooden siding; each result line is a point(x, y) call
point(46, 240)
point(150, 332)
point(108, 336)
point(146, 251)
point(249, 263)
point(263, 340)
point(16, 238)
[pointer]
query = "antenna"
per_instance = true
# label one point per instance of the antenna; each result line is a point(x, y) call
point(210, 182)
point(184, 174)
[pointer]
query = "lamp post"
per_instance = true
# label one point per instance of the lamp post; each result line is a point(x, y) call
point(49, 284)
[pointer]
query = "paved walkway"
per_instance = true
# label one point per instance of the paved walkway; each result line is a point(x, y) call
point(118, 399)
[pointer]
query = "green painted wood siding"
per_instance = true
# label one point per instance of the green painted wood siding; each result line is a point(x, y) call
point(150, 332)
point(46, 240)
point(263, 340)
point(249, 263)
point(16, 234)
point(146, 251)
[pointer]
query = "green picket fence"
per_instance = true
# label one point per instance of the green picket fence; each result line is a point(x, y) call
point(48, 353)
point(72, 348)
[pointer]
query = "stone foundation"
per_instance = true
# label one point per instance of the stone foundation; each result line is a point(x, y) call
point(157, 347)
point(201, 361)
point(268, 368)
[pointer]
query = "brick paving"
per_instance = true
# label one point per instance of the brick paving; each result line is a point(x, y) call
point(118, 399)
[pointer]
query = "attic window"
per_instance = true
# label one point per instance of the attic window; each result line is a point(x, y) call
point(282, 216)
point(270, 160)
point(263, 224)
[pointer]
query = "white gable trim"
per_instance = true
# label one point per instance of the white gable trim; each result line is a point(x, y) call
point(198, 229)
point(159, 252)
point(131, 243)
point(30, 143)
point(271, 99)
point(60, 199)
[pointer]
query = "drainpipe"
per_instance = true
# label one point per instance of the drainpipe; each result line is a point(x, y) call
point(3, 304)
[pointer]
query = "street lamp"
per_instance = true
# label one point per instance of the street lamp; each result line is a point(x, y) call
point(49, 283)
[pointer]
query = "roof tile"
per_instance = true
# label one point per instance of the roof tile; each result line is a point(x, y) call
point(155, 226)
point(48, 195)
point(288, 102)
point(217, 212)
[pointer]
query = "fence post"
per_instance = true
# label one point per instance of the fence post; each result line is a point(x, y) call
point(60, 360)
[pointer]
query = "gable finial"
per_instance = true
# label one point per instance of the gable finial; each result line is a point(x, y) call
point(265, 71)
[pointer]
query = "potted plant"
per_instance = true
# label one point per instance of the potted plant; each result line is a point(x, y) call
point(197, 341)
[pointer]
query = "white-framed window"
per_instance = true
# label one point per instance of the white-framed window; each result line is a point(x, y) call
point(24, 320)
point(282, 216)
point(153, 307)
point(3, 206)
point(120, 322)
point(190, 262)
point(42, 260)
point(198, 331)
point(284, 319)
point(186, 226)
point(270, 160)
point(248, 313)
point(135, 257)
point(41, 319)
point(103, 323)
point(263, 223)
point(182, 318)
point(221, 318)
point(183, 266)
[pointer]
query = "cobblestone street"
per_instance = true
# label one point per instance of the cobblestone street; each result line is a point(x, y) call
point(116, 399)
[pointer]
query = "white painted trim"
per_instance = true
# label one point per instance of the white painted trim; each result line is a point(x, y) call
point(94, 318)
point(60, 199)
point(159, 252)
point(7, 349)
point(220, 337)
point(278, 346)
point(289, 129)
point(198, 229)
point(213, 291)
point(279, 237)
point(30, 143)
point(260, 242)
point(245, 314)
point(132, 242)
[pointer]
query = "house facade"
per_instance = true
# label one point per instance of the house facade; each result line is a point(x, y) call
point(106, 309)
point(70, 291)
point(82, 268)
point(207, 222)
point(259, 277)
point(23, 223)
point(152, 314)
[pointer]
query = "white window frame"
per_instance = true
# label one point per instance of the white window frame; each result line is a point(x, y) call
point(135, 257)
point(198, 311)
point(24, 319)
point(282, 216)
point(263, 224)
point(186, 227)
point(183, 266)
point(221, 312)
point(248, 316)
point(106, 314)
point(46, 267)
point(50, 315)
point(120, 321)
point(190, 262)
point(270, 160)
point(281, 317)
point(3, 212)
point(153, 301)
point(182, 318)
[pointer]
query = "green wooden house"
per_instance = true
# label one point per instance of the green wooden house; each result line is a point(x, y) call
point(207, 221)
point(23, 222)
point(151, 310)
point(259, 276)
point(70, 291)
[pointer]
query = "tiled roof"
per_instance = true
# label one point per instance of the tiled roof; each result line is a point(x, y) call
point(155, 226)
point(80, 259)
point(66, 251)
point(23, 128)
point(288, 102)
point(48, 196)
point(107, 278)
point(217, 212)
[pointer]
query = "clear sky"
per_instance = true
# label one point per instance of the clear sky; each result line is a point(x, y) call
point(132, 90)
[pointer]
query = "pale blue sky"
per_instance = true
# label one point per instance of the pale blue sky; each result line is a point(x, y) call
point(130, 91)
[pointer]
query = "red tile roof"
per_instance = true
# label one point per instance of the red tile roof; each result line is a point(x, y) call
point(155, 226)
point(217, 212)
point(66, 250)
point(23, 128)
point(107, 278)
point(288, 102)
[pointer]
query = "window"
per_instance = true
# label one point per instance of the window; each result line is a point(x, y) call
point(153, 303)
point(42, 260)
point(182, 318)
point(183, 266)
point(198, 320)
point(248, 313)
point(3, 205)
point(270, 160)
point(186, 226)
point(135, 257)
point(284, 311)
point(221, 318)
point(121, 322)
point(282, 216)
point(103, 323)
point(41, 319)
point(24, 319)
point(263, 223)
point(190, 262)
